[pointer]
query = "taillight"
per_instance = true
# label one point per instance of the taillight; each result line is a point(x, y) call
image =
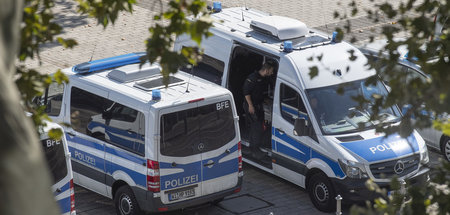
point(240, 158)
point(153, 182)
point(72, 198)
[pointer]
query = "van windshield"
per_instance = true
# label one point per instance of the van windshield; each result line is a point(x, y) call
point(338, 113)
point(197, 130)
point(56, 158)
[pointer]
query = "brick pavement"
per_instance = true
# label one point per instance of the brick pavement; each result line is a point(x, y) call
point(130, 30)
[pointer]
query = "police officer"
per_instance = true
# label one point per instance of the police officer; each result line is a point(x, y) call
point(253, 89)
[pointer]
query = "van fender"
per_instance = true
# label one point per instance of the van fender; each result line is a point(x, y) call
point(121, 175)
point(316, 163)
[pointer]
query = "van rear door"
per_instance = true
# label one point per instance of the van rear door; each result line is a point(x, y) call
point(220, 137)
point(180, 154)
point(198, 149)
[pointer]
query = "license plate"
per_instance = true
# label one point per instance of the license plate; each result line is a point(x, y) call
point(181, 194)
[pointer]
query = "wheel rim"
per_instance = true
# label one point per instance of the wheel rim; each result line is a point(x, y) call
point(321, 192)
point(125, 205)
point(447, 149)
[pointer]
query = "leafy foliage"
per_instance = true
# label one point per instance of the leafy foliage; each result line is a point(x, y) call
point(425, 101)
point(162, 37)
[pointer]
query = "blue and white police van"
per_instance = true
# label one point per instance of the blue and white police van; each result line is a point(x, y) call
point(58, 160)
point(148, 147)
point(312, 133)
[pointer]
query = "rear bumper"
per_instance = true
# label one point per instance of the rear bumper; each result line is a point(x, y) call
point(355, 190)
point(149, 203)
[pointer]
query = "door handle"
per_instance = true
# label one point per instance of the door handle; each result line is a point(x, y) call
point(209, 164)
point(71, 134)
point(280, 131)
point(174, 164)
point(58, 190)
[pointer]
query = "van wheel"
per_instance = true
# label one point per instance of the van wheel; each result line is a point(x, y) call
point(125, 202)
point(445, 148)
point(321, 192)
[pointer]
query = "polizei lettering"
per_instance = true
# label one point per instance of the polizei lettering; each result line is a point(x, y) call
point(181, 181)
point(386, 146)
point(85, 158)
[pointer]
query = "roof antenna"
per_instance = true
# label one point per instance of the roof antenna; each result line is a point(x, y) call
point(189, 81)
point(93, 51)
point(242, 11)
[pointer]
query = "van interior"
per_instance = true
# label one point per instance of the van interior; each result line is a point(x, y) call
point(243, 62)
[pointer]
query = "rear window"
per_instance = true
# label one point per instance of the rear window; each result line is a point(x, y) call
point(201, 129)
point(56, 158)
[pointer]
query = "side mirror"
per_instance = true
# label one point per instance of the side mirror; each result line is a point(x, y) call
point(301, 127)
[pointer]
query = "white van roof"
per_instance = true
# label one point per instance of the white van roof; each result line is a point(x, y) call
point(138, 84)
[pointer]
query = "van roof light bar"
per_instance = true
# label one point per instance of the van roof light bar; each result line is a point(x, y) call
point(108, 63)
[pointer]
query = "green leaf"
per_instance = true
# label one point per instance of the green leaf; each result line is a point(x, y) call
point(313, 72)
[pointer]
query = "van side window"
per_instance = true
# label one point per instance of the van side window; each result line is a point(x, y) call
point(292, 105)
point(53, 99)
point(208, 68)
point(107, 120)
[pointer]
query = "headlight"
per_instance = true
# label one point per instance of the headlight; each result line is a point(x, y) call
point(424, 159)
point(353, 169)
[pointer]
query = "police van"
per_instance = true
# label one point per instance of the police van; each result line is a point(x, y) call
point(148, 147)
point(312, 134)
point(58, 160)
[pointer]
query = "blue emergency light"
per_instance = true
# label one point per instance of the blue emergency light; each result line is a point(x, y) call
point(156, 94)
point(217, 6)
point(108, 63)
point(287, 46)
point(334, 37)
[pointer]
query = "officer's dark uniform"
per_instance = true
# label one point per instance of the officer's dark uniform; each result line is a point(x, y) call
point(254, 86)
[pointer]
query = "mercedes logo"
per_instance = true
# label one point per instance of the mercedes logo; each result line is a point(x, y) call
point(399, 167)
point(201, 146)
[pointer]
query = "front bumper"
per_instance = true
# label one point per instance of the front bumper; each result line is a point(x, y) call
point(355, 190)
point(147, 202)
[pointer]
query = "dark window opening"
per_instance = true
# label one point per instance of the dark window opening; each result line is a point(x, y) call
point(208, 68)
point(56, 158)
point(183, 132)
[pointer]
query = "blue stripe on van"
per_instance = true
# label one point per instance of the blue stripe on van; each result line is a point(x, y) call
point(309, 152)
point(191, 174)
point(63, 188)
point(99, 164)
point(64, 205)
point(111, 150)
point(87, 158)
point(220, 169)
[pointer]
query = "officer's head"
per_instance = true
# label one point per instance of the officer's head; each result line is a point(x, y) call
point(268, 68)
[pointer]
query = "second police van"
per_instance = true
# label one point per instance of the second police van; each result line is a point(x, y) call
point(148, 147)
point(312, 135)
point(57, 157)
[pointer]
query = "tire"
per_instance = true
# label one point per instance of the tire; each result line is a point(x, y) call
point(125, 202)
point(321, 192)
point(445, 148)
